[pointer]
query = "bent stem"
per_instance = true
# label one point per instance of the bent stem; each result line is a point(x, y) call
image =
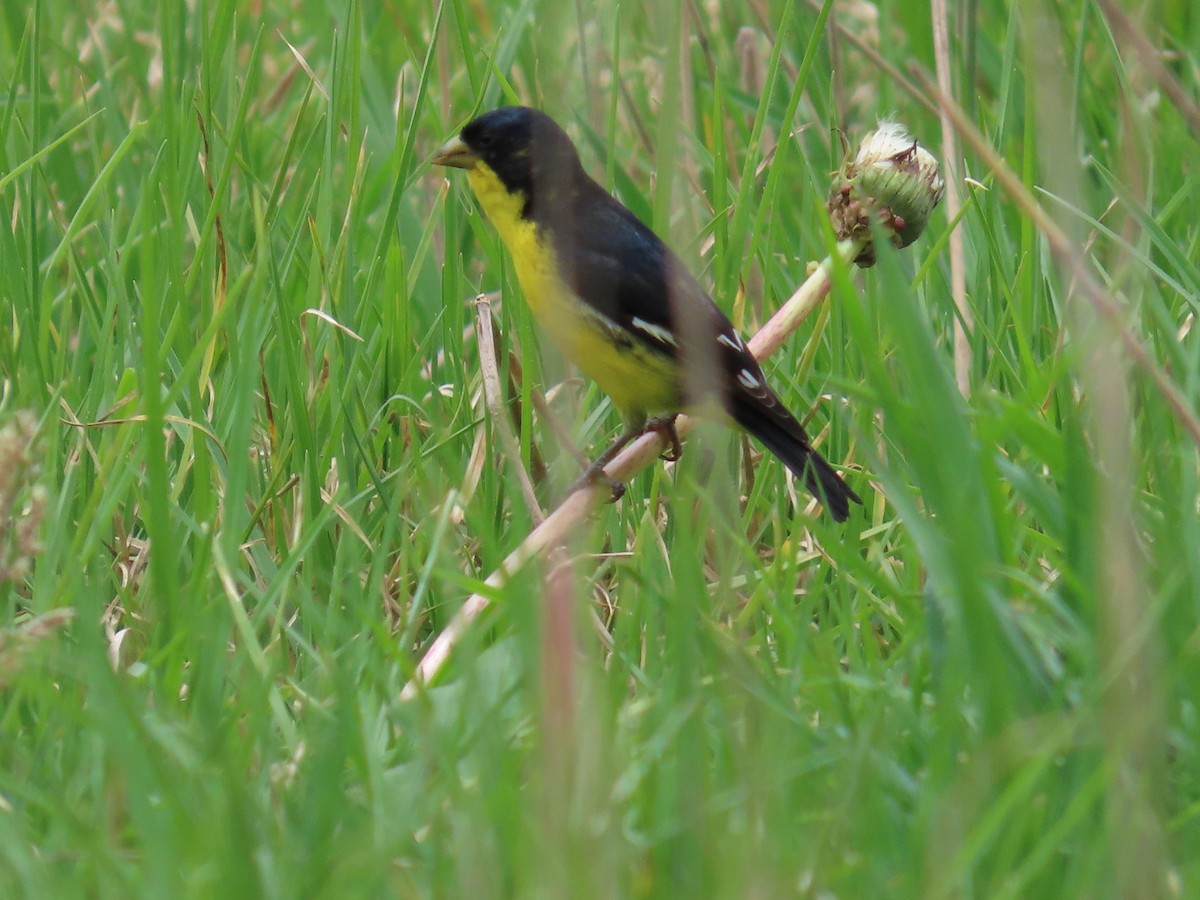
point(639, 455)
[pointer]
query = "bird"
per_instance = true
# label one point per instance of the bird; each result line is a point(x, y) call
point(616, 301)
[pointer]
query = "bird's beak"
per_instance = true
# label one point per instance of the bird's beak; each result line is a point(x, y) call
point(455, 153)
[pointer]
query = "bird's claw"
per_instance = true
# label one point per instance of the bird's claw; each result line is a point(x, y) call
point(617, 488)
point(664, 427)
point(590, 479)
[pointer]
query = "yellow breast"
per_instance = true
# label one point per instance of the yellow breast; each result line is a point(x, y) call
point(638, 380)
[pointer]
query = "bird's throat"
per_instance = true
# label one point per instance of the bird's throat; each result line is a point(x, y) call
point(532, 258)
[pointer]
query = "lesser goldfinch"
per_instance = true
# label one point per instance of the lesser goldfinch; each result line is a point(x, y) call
point(616, 300)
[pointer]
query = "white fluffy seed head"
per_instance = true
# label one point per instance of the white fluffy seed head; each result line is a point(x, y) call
point(892, 178)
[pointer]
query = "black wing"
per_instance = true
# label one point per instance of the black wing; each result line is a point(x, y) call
point(626, 274)
point(621, 268)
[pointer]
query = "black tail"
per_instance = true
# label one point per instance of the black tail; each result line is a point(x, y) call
point(780, 433)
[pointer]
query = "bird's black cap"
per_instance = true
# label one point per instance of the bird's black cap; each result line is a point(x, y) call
point(524, 147)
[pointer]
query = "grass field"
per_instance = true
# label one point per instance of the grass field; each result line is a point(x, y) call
point(247, 473)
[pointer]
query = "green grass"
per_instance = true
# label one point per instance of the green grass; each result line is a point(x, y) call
point(236, 303)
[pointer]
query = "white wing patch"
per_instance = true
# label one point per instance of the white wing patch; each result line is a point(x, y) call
point(747, 379)
point(734, 343)
point(660, 334)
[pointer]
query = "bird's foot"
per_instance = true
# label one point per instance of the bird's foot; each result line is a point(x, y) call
point(596, 475)
point(664, 427)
